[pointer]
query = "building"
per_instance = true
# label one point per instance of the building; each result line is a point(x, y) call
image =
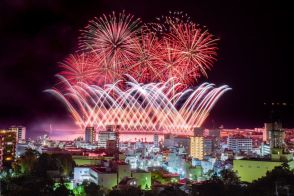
point(156, 140)
point(123, 170)
point(104, 177)
point(198, 131)
point(182, 141)
point(20, 132)
point(169, 140)
point(111, 133)
point(8, 147)
point(210, 145)
point(196, 149)
point(143, 179)
point(132, 160)
point(111, 146)
point(90, 135)
point(214, 133)
point(267, 128)
point(265, 149)
point(1, 150)
point(252, 169)
point(239, 143)
point(277, 137)
point(86, 160)
point(21, 148)
point(81, 174)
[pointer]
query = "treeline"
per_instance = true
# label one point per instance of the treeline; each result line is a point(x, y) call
point(47, 175)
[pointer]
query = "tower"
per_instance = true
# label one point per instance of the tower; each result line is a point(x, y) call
point(156, 140)
point(20, 132)
point(8, 146)
point(196, 149)
point(276, 136)
point(268, 127)
point(90, 135)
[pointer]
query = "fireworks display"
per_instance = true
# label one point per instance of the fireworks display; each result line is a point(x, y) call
point(137, 75)
point(113, 39)
point(173, 46)
point(140, 107)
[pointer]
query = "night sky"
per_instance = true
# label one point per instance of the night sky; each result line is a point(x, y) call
point(255, 54)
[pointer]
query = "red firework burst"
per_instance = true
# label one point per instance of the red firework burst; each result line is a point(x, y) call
point(164, 23)
point(194, 48)
point(112, 37)
point(117, 44)
point(79, 68)
point(146, 66)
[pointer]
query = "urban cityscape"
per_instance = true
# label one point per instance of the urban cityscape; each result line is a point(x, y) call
point(128, 107)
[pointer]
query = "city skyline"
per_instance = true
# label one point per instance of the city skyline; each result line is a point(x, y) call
point(247, 59)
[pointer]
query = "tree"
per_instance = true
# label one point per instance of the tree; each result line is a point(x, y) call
point(26, 162)
point(27, 185)
point(131, 191)
point(227, 184)
point(67, 163)
point(61, 190)
point(229, 177)
point(92, 189)
point(275, 180)
point(173, 190)
point(46, 163)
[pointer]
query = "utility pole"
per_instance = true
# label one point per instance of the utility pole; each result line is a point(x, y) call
point(276, 189)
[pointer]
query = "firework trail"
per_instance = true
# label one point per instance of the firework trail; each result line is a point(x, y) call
point(149, 107)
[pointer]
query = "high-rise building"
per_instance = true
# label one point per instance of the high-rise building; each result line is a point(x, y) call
point(277, 137)
point(7, 146)
point(209, 145)
point(239, 143)
point(1, 150)
point(111, 133)
point(198, 131)
point(20, 132)
point(197, 147)
point(156, 140)
point(267, 128)
point(214, 133)
point(90, 135)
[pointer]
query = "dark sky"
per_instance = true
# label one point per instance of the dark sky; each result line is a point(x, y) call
point(255, 53)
